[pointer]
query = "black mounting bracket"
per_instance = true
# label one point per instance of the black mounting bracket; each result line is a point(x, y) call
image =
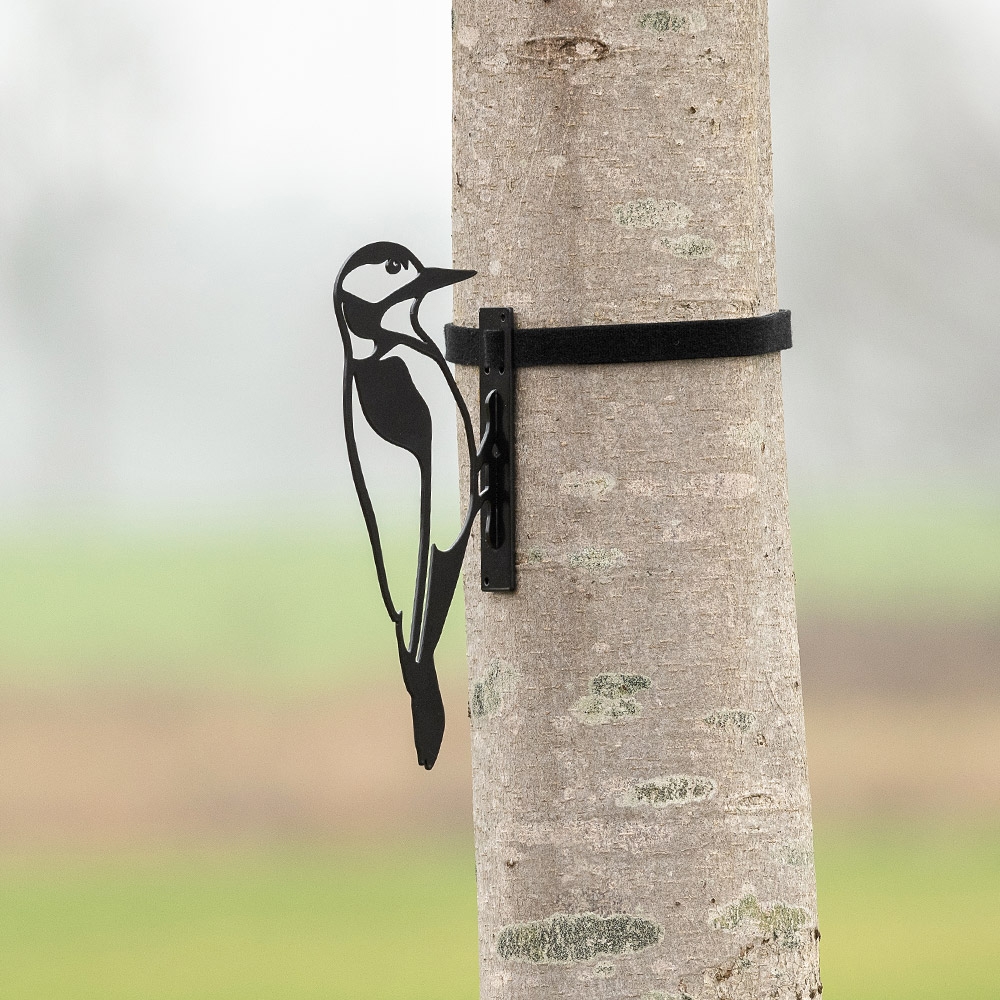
point(496, 483)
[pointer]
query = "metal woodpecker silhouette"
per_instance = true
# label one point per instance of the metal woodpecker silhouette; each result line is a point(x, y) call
point(394, 409)
point(396, 412)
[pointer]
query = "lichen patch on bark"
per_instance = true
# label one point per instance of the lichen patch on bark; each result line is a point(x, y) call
point(738, 719)
point(669, 790)
point(649, 213)
point(611, 699)
point(563, 50)
point(779, 921)
point(579, 937)
point(533, 557)
point(755, 802)
point(619, 685)
point(766, 968)
point(671, 20)
point(796, 855)
point(590, 484)
point(596, 559)
point(690, 247)
point(489, 696)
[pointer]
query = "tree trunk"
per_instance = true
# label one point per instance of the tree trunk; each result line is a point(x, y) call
point(641, 801)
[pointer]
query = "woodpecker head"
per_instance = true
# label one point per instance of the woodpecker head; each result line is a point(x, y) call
point(381, 275)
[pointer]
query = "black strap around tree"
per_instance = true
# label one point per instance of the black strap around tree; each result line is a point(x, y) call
point(630, 342)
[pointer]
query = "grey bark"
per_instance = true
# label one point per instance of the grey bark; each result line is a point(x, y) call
point(641, 800)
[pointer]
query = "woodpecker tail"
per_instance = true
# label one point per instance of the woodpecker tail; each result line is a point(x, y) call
point(421, 682)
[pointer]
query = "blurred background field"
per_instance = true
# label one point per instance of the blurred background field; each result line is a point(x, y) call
point(207, 786)
point(906, 914)
point(298, 604)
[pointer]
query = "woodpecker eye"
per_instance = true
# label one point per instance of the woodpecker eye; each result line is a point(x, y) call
point(393, 266)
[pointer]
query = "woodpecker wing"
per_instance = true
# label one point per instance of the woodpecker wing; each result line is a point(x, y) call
point(397, 412)
point(393, 407)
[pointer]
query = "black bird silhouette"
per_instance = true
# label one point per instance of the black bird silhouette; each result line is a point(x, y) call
point(395, 410)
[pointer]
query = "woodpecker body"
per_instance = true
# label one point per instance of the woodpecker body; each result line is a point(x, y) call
point(392, 406)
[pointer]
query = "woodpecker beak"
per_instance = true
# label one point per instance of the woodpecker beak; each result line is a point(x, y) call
point(440, 277)
point(428, 280)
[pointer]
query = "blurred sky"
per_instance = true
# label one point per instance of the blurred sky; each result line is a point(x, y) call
point(179, 182)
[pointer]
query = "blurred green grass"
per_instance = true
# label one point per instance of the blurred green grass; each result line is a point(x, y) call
point(267, 606)
point(908, 559)
point(907, 912)
point(300, 606)
point(358, 924)
point(906, 915)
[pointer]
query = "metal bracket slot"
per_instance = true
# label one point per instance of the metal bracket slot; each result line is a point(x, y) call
point(496, 477)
